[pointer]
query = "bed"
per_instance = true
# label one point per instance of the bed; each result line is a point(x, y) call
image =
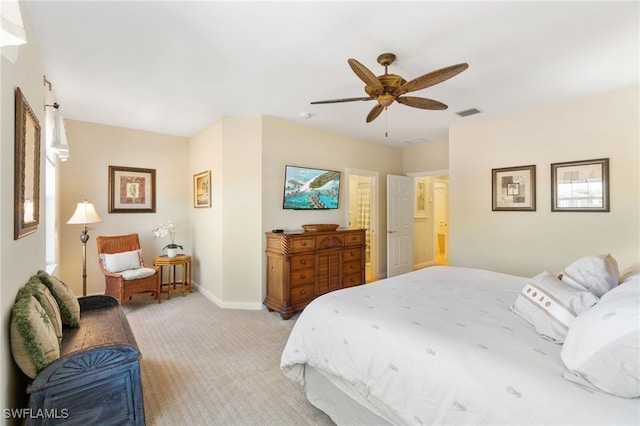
point(443, 345)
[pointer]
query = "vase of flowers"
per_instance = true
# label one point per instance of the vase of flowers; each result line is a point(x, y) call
point(168, 229)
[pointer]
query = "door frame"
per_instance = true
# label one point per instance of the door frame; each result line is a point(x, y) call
point(374, 214)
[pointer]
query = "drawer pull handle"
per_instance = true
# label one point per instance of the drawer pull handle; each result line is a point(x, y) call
point(302, 292)
point(302, 262)
point(304, 244)
point(303, 276)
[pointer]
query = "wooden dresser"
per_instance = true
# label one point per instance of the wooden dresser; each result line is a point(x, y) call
point(304, 265)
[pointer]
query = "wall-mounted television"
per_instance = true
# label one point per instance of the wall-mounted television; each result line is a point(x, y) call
point(308, 188)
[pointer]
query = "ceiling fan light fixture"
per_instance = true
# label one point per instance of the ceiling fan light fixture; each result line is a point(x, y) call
point(385, 99)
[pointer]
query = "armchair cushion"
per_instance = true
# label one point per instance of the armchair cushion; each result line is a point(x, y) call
point(118, 262)
point(67, 300)
point(136, 274)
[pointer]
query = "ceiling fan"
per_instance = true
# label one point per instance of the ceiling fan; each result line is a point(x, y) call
point(391, 87)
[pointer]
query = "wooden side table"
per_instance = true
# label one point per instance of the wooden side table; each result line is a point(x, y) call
point(171, 263)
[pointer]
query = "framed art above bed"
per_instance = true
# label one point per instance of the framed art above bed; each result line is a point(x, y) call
point(580, 186)
point(514, 188)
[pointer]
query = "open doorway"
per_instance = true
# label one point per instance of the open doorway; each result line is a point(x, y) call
point(431, 224)
point(441, 220)
point(362, 212)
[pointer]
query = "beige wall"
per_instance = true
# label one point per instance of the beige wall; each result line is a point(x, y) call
point(425, 157)
point(526, 243)
point(19, 259)
point(95, 147)
point(227, 245)
point(205, 153)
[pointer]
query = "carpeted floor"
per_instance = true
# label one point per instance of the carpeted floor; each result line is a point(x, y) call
point(203, 365)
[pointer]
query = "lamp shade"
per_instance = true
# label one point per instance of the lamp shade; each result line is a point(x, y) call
point(85, 213)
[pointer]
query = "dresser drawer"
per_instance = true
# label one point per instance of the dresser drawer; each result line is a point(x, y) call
point(302, 294)
point(352, 254)
point(303, 244)
point(302, 262)
point(352, 267)
point(354, 238)
point(305, 276)
point(352, 279)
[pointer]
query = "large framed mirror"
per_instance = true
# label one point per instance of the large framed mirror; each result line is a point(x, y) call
point(27, 169)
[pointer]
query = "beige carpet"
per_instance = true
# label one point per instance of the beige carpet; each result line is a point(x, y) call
point(203, 365)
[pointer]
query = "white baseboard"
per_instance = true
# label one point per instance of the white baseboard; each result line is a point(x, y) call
point(228, 305)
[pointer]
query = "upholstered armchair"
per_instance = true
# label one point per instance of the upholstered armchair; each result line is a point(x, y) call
point(125, 272)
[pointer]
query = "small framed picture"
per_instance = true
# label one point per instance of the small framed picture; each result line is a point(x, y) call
point(580, 186)
point(422, 197)
point(514, 188)
point(202, 189)
point(132, 190)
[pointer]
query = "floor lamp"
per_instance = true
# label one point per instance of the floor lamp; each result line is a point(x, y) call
point(85, 213)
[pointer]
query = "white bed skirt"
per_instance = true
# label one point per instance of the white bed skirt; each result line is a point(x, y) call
point(344, 408)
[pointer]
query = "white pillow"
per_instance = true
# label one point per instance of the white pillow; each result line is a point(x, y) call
point(597, 273)
point(551, 306)
point(119, 262)
point(602, 347)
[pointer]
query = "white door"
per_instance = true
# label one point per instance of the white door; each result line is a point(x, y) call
point(441, 222)
point(399, 225)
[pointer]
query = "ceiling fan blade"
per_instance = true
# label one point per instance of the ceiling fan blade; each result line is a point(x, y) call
point(422, 103)
point(374, 113)
point(430, 79)
point(366, 76)
point(335, 101)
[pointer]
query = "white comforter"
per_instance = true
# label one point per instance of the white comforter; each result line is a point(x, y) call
point(441, 346)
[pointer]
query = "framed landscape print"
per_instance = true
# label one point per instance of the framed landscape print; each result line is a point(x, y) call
point(132, 190)
point(580, 186)
point(202, 189)
point(514, 188)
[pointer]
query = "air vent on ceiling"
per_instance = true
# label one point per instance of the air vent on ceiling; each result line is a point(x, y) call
point(468, 112)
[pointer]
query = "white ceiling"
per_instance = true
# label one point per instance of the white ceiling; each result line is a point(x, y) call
point(174, 67)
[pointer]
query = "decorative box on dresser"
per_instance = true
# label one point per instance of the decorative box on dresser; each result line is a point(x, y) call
point(304, 265)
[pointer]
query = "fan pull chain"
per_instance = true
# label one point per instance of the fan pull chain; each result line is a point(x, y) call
point(386, 123)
